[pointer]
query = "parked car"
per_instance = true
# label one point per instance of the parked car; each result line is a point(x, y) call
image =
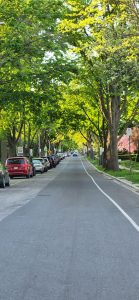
point(33, 168)
point(52, 161)
point(43, 162)
point(47, 162)
point(19, 166)
point(39, 167)
point(56, 159)
point(4, 176)
point(61, 155)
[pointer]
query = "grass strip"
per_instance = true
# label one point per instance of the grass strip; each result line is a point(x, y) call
point(132, 176)
point(127, 163)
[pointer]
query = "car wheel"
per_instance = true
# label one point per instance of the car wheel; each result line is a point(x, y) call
point(3, 183)
point(28, 175)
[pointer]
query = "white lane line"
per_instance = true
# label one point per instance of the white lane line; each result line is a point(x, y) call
point(114, 203)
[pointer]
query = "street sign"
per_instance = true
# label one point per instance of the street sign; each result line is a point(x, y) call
point(20, 151)
point(129, 131)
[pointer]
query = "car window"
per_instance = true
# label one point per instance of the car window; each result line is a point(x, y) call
point(39, 160)
point(18, 161)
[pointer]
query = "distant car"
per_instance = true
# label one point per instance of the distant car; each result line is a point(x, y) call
point(4, 176)
point(61, 155)
point(39, 167)
point(19, 166)
point(75, 154)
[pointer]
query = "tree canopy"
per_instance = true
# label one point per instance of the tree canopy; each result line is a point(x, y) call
point(69, 66)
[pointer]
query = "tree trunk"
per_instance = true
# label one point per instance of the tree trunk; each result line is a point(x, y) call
point(12, 148)
point(90, 151)
point(112, 152)
point(12, 142)
point(3, 151)
point(43, 138)
point(105, 138)
point(13, 137)
point(113, 125)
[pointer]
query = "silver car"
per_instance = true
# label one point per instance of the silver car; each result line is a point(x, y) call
point(44, 163)
point(39, 167)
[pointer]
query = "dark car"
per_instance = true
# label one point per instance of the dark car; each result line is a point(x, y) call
point(52, 161)
point(74, 154)
point(4, 176)
point(19, 166)
point(56, 159)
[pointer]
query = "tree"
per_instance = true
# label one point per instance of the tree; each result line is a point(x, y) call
point(106, 37)
point(30, 55)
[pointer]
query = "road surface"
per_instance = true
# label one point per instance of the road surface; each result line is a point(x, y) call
point(69, 234)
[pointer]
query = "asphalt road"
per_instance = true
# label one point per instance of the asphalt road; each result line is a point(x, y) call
point(69, 234)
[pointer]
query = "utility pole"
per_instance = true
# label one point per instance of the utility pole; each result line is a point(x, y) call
point(129, 133)
point(39, 140)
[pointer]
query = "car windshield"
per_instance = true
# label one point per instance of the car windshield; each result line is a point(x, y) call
point(36, 161)
point(18, 161)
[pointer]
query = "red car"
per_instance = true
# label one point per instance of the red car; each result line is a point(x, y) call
point(19, 166)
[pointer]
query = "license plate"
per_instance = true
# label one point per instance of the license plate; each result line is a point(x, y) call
point(15, 168)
